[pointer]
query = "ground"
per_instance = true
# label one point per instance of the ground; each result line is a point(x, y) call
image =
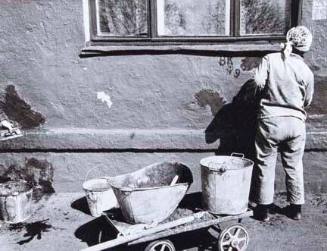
point(62, 222)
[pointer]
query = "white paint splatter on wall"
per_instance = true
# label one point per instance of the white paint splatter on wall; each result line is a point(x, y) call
point(104, 98)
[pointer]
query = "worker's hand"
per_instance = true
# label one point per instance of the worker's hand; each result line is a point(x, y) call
point(6, 124)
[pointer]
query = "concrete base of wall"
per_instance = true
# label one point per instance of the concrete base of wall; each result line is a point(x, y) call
point(70, 169)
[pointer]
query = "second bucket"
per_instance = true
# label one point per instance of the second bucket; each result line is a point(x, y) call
point(226, 184)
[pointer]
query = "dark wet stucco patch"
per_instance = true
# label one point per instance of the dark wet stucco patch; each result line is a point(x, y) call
point(41, 172)
point(38, 173)
point(250, 63)
point(211, 98)
point(18, 110)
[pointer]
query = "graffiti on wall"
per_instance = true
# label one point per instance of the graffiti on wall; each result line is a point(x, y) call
point(247, 64)
point(228, 63)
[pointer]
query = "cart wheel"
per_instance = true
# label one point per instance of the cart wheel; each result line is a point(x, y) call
point(233, 238)
point(161, 245)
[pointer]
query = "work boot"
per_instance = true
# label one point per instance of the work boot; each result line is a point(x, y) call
point(294, 212)
point(261, 213)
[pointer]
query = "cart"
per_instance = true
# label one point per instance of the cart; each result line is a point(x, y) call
point(150, 195)
point(232, 237)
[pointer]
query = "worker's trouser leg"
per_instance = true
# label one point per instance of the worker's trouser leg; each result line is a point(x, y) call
point(287, 134)
point(292, 154)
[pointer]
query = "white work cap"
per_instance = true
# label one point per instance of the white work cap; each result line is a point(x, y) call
point(300, 37)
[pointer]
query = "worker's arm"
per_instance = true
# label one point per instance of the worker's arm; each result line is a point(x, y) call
point(309, 90)
point(262, 72)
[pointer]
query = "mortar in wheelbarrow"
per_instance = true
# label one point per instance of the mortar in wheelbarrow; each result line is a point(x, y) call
point(151, 194)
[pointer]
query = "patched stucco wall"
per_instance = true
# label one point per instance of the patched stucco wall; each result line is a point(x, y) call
point(159, 105)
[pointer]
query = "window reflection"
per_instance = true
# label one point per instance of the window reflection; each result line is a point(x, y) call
point(264, 16)
point(193, 17)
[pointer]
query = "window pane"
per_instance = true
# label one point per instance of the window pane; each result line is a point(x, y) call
point(122, 17)
point(193, 17)
point(265, 16)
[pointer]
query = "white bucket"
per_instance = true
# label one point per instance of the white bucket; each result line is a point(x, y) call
point(15, 201)
point(100, 196)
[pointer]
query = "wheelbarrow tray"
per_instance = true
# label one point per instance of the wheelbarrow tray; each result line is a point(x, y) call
point(141, 194)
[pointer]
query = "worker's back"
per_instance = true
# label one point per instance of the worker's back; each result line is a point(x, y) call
point(288, 87)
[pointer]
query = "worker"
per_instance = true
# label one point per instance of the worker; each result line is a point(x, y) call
point(286, 85)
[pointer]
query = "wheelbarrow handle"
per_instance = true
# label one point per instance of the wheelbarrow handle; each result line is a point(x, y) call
point(91, 170)
point(161, 227)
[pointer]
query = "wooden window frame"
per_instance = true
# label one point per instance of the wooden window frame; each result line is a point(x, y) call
point(153, 40)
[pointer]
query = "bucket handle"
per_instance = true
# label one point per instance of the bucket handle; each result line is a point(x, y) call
point(220, 170)
point(89, 171)
point(241, 155)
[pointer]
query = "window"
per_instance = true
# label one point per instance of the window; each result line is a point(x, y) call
point(122, 18)
point(162, 22)
point(265, 17)
point(192, 18)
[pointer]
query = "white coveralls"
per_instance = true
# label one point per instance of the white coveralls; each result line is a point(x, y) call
point(287, 87)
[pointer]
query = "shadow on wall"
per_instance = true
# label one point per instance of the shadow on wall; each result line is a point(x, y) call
point(235, 123)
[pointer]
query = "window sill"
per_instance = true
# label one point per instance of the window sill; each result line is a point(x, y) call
point(230, 49)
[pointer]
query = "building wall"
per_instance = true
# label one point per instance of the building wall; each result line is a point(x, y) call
point(119, 113)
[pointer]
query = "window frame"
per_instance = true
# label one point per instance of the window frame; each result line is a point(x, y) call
point(153, 39)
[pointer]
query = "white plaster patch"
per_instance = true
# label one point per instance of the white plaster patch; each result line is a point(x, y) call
point(319, 10)
point(104, 98)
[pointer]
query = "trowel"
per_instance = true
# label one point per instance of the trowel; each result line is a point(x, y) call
point(5, 134)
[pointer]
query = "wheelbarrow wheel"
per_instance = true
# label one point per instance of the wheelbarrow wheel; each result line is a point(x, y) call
point(233, 238)
point(160, 245)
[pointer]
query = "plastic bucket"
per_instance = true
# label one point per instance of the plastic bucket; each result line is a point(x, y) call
point(100, 196)
point(15, 201)
point(226, 184)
